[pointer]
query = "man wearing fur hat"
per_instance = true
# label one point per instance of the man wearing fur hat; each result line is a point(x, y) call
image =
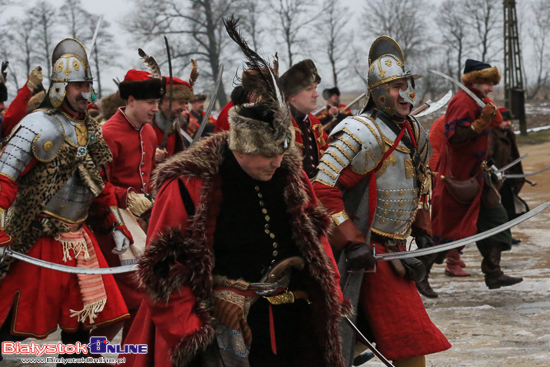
point(181, 94)
point(299, 85)
point(463, 153)
point(238, 271)
point(49, 177)
point(133, 142)
point(372, 180)
point(334, 112)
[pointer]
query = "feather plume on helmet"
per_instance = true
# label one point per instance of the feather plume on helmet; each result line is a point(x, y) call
point(263, 127)
point(142, 84)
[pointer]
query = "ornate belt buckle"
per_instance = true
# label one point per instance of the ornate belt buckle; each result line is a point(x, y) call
point(281, 299)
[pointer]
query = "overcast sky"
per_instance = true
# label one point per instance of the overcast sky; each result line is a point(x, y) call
point(115, 10)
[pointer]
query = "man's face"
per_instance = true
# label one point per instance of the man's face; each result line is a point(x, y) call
point(74, 98)
point(177, 107)
point(333, 100)
point(483, 88)
point(402, 108)
point(306, 100)
point(505, 124)
point(197, 106)
point(142, 111)
point(257, 166)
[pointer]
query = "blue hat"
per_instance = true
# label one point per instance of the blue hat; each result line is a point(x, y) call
point(474, 65)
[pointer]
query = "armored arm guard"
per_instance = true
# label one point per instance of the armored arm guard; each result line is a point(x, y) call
point(38, 135)
point(355, 142)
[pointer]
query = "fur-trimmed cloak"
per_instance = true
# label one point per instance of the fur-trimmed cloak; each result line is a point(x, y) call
point(176, 270)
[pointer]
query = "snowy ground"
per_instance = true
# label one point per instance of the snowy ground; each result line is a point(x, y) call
point(505, 327)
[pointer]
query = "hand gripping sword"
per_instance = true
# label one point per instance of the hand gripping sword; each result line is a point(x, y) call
point(318, 111)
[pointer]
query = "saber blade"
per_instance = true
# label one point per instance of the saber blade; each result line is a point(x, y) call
point(479, 102)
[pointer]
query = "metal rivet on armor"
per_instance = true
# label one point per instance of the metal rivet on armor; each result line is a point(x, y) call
point(48, 146)
point(400, 213)
point(275, 245)
point(264, 211)
point(386, 194)
point(401, 203)
point(267, 218)
point(386, 212)
point(396, 223)
point(401, 192)
point(275, 253)
point(386, 203)
point(382, 220)
point(272, 235)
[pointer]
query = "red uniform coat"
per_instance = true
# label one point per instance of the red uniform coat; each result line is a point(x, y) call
point(437, 136)
point(133, 162)
point(16, 110)
point(451, 220)
point(176, 270)
point(38, 299)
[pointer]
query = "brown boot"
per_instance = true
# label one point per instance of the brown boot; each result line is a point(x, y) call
point(424, 288)
point(502, 280)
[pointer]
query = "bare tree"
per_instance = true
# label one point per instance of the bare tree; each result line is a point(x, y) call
point(291, 19)
point(539, 31)
point(104, 53)
point(252, 24)
point(453, 32)
point(404, 21)
point(75, 18)
point(336, 40)
point(484, 17)
point(201, 22)
point(22, 36)
point(45, 15)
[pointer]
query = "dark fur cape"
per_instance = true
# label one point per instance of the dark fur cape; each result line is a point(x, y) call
point(184, 256)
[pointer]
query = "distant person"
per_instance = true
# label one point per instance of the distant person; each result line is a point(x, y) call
point(334, 111)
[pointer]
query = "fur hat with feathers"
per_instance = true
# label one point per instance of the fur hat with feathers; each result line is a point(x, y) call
point(263, 127)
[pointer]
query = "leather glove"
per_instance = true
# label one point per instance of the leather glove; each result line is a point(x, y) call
point(122, 242)
point(360, 257)
point(231, 315)
point(487, 114)
point(138, 203)
point(35, 78)
point(424, 241)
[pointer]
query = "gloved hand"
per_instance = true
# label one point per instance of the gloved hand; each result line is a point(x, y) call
point(487, 114)
point(424, 241)
point(35, 78)
point(231, 315)
point(122, 242)
point(360, 257)
point(138, 203)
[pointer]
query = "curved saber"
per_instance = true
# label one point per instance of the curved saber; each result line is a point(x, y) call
point(70, 269)
point(479, 102)
point(211, 104)
point(514, 162)
point(523, 175)
point(434, 106)
point(464, 241)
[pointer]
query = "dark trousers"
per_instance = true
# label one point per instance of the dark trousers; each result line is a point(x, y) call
point(492, 247)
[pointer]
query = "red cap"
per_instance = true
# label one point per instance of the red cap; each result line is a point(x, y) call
point(137, 75)
point(177, 81)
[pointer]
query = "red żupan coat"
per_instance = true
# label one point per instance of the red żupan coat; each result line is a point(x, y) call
point(451, 220)
point(176, 270)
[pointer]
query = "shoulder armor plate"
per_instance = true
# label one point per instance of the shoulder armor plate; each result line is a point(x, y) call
point(50, 134)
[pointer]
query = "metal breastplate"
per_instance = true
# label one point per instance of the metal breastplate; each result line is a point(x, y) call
point(397, 190)
point(72, 201)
